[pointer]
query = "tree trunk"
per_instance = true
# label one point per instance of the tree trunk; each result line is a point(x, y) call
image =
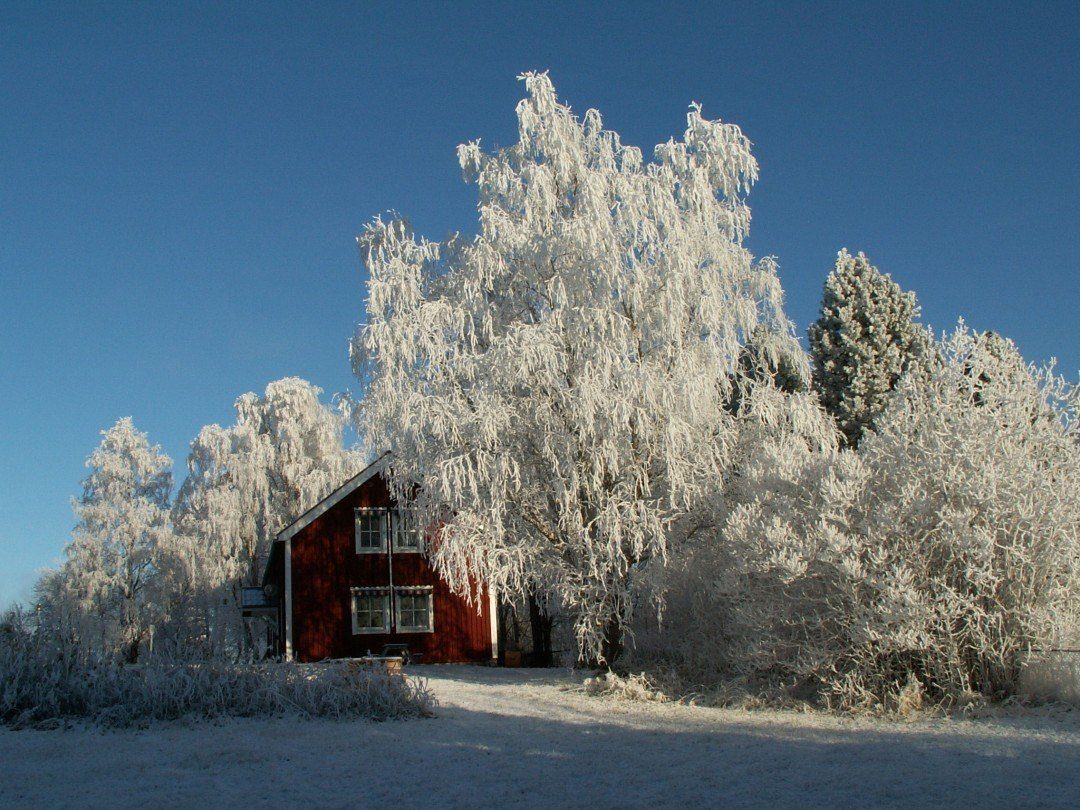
point(132, 654)
point(131, 631)
point(612, 646)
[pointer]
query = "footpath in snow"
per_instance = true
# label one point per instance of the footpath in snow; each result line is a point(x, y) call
point(533, 738)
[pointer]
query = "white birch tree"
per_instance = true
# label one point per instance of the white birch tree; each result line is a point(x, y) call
point(123, 522)
point(245, 483)
point(556, 386)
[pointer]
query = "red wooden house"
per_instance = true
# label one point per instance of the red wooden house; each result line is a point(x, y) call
point(347, 578)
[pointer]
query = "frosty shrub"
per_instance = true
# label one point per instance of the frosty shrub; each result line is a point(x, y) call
point(939, 553)
point(556, 386)
point(629, 687)
point(43, 680)
point(730, 611)
point(971, 503)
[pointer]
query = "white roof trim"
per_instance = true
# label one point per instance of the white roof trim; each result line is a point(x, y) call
point(334, 498)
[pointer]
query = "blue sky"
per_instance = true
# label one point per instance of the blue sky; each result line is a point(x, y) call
point(181, 184)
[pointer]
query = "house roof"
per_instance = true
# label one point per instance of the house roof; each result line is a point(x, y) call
point(335, 497)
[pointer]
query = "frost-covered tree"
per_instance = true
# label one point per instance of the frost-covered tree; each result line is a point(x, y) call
point(765, 359)
point(731, 613)
point(244, 484)
point(930, 561)
point(556, 386)
point(975, 473)
point(1000, 356)
point(123, 522)
point(863, 342)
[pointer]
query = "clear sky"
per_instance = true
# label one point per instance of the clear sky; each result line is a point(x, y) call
point(181, 184)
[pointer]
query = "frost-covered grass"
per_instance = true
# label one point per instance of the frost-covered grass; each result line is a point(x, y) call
point(126, 696)
point(630, 687)
point(44, 685)
point(535, 738)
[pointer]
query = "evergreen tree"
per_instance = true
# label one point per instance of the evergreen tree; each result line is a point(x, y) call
point(865, 339)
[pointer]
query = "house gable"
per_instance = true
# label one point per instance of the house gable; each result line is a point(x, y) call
point(377, 467)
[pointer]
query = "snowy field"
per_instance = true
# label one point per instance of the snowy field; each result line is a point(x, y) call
point(531, 737)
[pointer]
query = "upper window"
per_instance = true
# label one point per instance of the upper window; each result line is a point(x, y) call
point(406, 531)
point(370, 611)
point(370, 531)
point(414, 610)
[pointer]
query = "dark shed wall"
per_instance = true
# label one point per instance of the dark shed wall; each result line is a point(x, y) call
point(325, 566)
point(275, 576)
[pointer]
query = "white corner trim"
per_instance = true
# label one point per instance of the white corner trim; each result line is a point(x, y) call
point(289, 652)
point(335, 497)
point(493, 614)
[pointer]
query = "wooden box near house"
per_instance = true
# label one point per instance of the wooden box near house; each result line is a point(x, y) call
point(390, 664)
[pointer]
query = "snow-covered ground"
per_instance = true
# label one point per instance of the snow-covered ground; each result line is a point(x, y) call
point(532, 737)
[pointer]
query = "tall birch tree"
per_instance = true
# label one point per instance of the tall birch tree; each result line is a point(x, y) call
point(556, 386)
point(123, 522)
point(245, 483)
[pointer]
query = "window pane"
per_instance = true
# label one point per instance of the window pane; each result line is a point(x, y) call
point(369, 530)
point(414, 611)
point(407, 535)
point(370, 611)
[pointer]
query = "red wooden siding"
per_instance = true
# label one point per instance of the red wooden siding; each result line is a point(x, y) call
point(325, 567)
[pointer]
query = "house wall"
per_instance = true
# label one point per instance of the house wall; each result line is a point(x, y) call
point(325, 566)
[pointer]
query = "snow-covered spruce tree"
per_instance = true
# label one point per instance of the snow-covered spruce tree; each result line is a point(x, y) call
point(245, 483)
point(556, 385)
point(863, 342)
point(105, 582)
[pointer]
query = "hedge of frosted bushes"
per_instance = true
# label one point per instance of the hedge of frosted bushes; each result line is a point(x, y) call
point(44, 682)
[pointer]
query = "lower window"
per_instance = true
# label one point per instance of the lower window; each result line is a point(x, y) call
point(370, 612)
point(415, 612)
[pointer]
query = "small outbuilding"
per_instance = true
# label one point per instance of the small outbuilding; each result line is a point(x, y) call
point(349, 578)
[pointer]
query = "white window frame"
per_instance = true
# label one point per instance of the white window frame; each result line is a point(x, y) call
point(413, 591)
point(382, 594)
point(404, 525)
point(383, 516)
